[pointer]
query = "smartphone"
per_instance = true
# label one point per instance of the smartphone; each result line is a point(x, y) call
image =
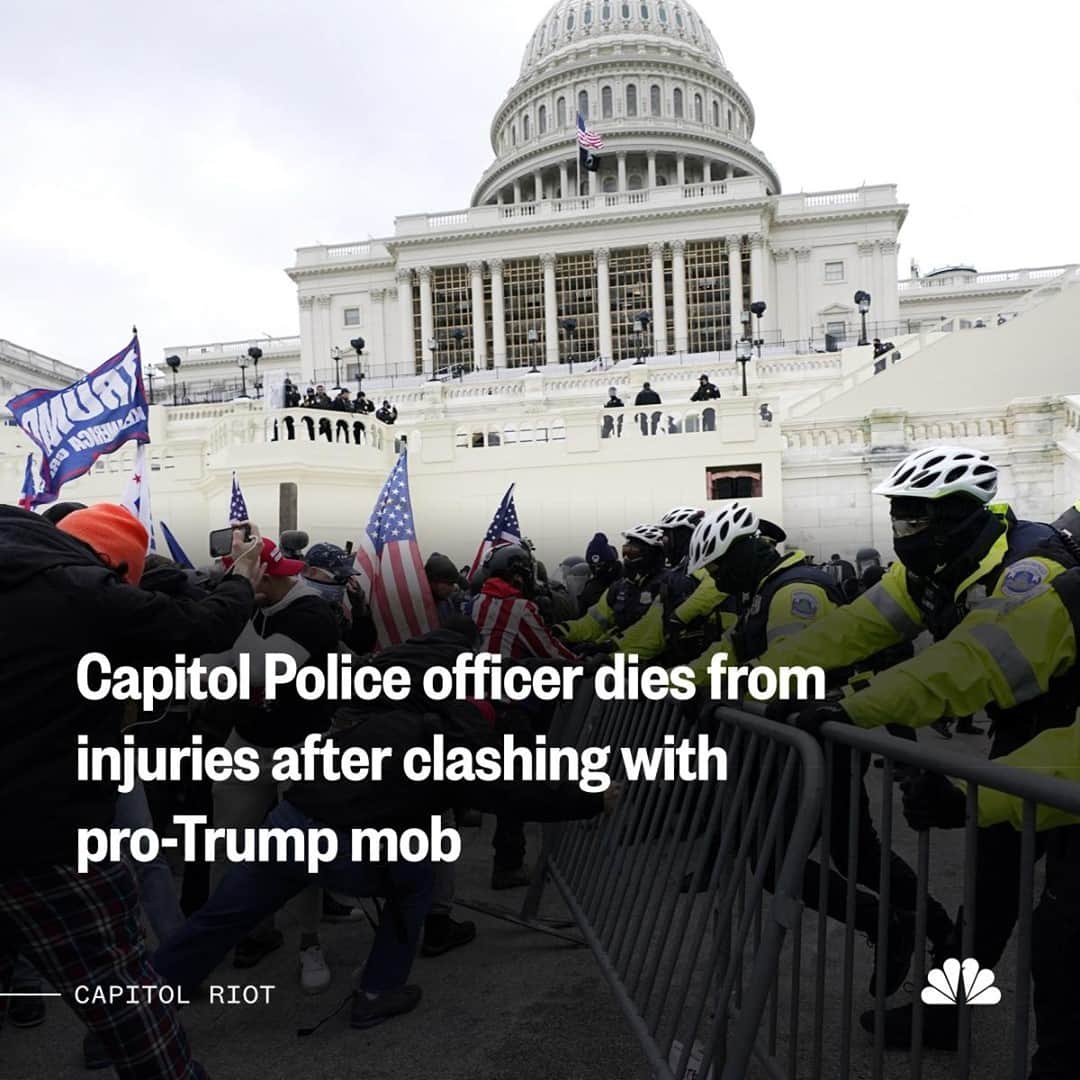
point(221, 541)
point(348, 547)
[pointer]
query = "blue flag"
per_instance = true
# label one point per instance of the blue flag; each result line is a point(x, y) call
point(175, 550)
point(77, 425)
point(29, 488)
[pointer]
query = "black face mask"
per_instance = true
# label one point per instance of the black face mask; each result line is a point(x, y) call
point(745, 564)
point(946, 539)
point(920, 553)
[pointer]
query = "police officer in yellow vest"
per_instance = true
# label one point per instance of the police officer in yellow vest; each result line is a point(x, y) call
point(987, 587)
point(781, 597)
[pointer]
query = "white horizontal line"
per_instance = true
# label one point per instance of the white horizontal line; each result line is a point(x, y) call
point(31, 995)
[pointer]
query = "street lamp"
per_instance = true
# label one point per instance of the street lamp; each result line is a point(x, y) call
point(173, 363)
point(641, 324)
point(459, 336)
point(862, 301)
point(758, 308)
point(358, 344)
point(256, 355)
point(570, 328)
point(335, 355)
point(433, 345)
point(533, 338)
point(243, 361)
point(151, 375)
point(744, 351)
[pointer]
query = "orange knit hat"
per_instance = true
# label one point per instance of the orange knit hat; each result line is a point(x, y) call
point(114, 533)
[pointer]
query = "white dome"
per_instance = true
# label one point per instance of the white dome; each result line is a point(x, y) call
point(570, 24)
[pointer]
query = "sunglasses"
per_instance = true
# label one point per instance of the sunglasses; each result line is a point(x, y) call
point(903, 527)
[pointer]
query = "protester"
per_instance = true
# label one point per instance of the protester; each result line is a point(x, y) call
point(648, 396)
point(387, 413)
point(291, 618)
point(67, 591)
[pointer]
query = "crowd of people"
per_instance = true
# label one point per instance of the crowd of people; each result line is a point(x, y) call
point(998, 597)
point(330, 428)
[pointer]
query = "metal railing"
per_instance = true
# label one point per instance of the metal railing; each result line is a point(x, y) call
point(727, 918)
point(684, 942)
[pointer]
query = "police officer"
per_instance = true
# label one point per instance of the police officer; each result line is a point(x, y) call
point(986, 586)
point(779, 597)
point(628, 599)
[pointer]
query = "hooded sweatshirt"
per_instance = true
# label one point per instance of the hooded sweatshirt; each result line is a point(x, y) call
point(57, 603)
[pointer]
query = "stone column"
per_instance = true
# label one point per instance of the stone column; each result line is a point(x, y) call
point(551, 310)
point(307, 339)
point(758, 284)
point(603, 302)
point(323, 334)
point(479, 326)
point(564, 180)
point(376, 335)
point(783, 315)
point(659, 300)
point(889, 309)
point(802, 286)
point(517, 191)
point(706, 171)
point(621, 160)
point(734, 253)
point(498, 313)
point(680, 170)
point(427, 317)
point(406, 350)
point(538, 186)
point(652, 168)
point(678, 295)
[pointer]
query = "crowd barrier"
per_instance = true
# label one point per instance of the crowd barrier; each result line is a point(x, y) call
point(707, 905)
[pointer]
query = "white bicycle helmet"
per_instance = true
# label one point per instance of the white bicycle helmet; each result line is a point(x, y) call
point(942, 470)
point(649, 535)
point(717, 531)
point(682, 517)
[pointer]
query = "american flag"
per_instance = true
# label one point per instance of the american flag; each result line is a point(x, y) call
point(388, 554)
point(29, 487)
point(504, 529)
point(587, 140)
point(238, 511)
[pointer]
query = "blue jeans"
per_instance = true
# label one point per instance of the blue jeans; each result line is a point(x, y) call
point(157, 890)
point(252, 891)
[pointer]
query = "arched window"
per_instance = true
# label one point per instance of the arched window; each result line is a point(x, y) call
point(645, 12)
point(729, 119)
point(626, 12)
point(541, 120)
point(513, 134)
point(662, 14)
point(586, 17)
point(525, 127)
point(570, 22)
point(606, 107)
point(716, 113)
point(583, 103)
point(678, 18)
point(560, 112)
point(605, 13)
point(654, 100)
point(631, 101)
point(635, 182)
point(677, 99)
point(699, 109)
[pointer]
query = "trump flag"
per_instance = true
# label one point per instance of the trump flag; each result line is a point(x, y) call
point(94, 416)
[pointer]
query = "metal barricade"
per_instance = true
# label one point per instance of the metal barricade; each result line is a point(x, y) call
point(687, 892)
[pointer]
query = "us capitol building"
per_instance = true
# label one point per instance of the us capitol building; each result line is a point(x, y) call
point(497, 330)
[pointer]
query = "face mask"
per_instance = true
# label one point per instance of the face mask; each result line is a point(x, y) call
point(919, 552)
point(331, 593)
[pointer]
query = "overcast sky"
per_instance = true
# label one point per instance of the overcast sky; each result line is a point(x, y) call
point(162, 162)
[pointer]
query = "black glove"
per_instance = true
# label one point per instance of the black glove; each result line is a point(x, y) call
point(813, 716)
point(932, 801)
point(593, 648)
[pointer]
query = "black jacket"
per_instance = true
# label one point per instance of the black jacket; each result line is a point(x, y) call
point(647, 397)
point(399, 802)
point(57, 603)
point(705, 392)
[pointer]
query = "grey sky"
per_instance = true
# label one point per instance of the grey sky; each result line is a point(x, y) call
point(161, 162)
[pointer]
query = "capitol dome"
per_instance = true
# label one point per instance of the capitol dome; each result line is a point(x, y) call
point(650, 79)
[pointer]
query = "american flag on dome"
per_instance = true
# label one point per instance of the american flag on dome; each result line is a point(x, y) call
point(587, 139)
point(504, 529)
point(238, 511)
point(389, 556)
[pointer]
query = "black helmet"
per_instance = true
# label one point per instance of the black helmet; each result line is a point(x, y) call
point(509, 561)
point(867, 555)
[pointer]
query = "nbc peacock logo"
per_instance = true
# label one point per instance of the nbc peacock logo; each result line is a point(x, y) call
point(955, 982)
